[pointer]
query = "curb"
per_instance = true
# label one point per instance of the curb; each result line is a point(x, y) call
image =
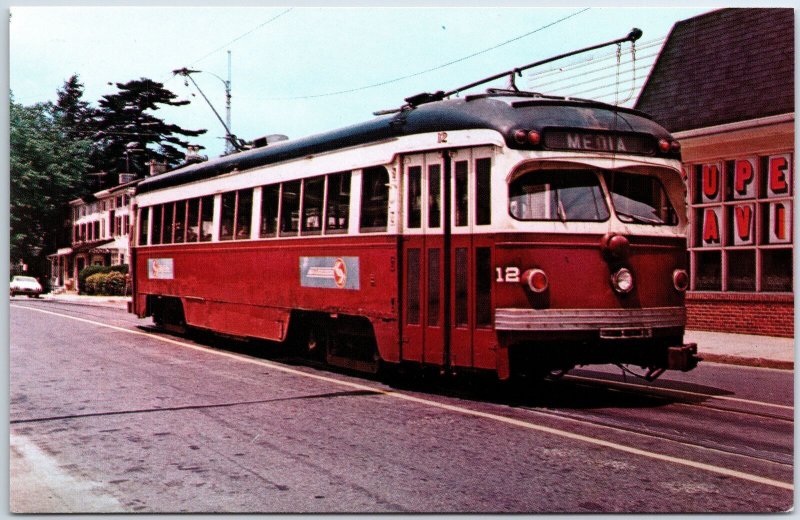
point(90, 303)
point(747, 361)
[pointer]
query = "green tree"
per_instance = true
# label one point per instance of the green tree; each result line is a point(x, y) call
point(46, 172)
point(129, 135)
point(72, 112)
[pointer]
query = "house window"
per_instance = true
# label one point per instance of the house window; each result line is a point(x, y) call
point(741, 235)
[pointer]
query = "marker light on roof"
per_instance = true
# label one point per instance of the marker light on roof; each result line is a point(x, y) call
point(534, 137)
point(663, 145)
point(521, 136)
point(675, 145)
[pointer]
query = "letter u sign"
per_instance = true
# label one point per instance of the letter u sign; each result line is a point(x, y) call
point(711, 182)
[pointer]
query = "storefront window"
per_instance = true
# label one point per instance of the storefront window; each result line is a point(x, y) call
point(741, 236)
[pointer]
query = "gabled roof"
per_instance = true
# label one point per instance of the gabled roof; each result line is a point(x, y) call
point(721, 67)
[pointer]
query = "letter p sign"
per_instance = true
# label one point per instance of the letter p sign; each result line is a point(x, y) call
point(744, 175)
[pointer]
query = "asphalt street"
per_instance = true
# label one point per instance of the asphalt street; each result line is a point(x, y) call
point(108, 415)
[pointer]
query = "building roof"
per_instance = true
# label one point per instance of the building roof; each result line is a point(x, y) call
point(721, 67)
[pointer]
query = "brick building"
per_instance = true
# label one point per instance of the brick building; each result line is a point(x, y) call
point(723, 84)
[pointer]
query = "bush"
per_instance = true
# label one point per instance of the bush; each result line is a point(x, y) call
point(106, 284)
point(88, 272)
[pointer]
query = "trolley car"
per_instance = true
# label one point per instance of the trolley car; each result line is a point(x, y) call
point(503, 231)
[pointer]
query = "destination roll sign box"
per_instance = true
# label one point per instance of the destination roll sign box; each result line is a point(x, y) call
point(599, 142)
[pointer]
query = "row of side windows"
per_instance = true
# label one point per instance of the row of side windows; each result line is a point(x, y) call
point(312, 206)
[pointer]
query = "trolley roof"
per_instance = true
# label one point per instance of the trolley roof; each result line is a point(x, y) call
point(504, 111)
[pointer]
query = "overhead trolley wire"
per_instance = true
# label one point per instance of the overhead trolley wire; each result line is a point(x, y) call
point(242, 36)
point(453, 62)
point(592, 59)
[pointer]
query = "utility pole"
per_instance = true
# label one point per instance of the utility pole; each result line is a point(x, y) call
point(232, 142)
point(228, 144)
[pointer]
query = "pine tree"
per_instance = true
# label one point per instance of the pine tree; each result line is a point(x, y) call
point(128, 136)
point(72, 112)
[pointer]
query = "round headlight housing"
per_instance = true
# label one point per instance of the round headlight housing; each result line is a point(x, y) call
point(622, 280)
point(680, 279)
point(537, 280)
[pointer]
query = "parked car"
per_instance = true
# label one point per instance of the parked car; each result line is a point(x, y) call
point(25, 285)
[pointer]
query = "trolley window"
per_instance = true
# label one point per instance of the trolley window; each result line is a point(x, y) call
point(244, 213)
point(337, 211)
point(462, 193)
point(227, 215)
point(374, 199)
point(193, 221)
point(180, 221)
point(168, 222)
point(434, 195)
point(290, 208)
point(144, 221)
point(414, 196)
point(483, 192)
point(640, 199)
point(565, 195)
point(270, 195)
point(156, 212)
point(313, 193)
point(206, 218)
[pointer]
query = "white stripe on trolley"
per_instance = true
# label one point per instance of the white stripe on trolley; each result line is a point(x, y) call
point(451, 408)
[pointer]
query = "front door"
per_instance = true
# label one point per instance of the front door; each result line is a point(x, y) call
point(447, 259)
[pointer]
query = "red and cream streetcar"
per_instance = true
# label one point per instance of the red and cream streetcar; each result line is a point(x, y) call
point(504, 231)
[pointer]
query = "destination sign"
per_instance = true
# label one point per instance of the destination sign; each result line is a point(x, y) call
point(599, 142)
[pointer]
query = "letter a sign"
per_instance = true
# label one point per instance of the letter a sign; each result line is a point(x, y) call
point(712, 232)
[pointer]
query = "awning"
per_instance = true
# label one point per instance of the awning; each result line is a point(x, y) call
point(64, 251)
point(108, 247)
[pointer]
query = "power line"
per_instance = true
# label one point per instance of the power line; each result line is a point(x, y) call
point(394, 80)
point(242, 36)
point(591, 60)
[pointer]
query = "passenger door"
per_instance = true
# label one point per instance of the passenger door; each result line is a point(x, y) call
point(447, 259)
point(423, 259)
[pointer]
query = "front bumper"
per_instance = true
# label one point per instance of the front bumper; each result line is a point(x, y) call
point(25, 290)
point(610, 323)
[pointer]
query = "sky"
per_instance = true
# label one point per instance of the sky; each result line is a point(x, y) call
point(291, 64)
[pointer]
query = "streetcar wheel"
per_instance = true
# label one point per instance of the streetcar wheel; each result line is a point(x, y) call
point(317, 342)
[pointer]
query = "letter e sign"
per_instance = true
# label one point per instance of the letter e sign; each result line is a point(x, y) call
point(779, 175)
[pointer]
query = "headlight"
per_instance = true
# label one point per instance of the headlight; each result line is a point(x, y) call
point(536, 279)
point(622, 281)
point(680, 279)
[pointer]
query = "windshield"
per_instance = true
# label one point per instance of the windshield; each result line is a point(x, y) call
point(640, 199)
point(565, 195)
point(24, 279)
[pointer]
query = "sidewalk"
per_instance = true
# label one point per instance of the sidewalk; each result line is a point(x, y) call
point(743, 349)
point(716, 347)
point(120, 302)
